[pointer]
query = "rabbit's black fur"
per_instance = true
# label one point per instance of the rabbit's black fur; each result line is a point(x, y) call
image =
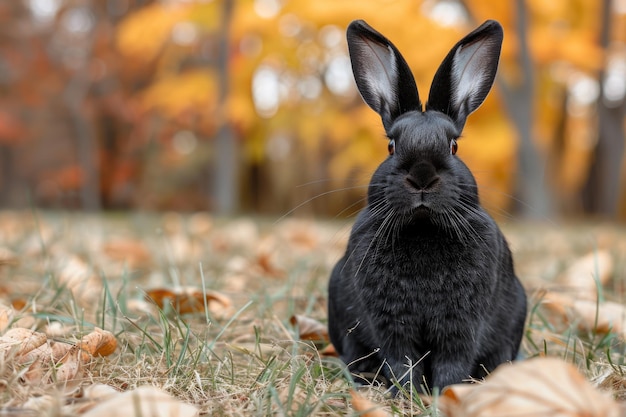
point(426, 291)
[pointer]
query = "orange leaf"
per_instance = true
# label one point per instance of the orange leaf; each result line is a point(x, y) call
point(132, 251)
point(187, 299)
point(365, 407)
point(310, 329)
point(98, 343)
point(329, 350)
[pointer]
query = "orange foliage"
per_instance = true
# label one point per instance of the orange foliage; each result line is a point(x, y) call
point(164, 59)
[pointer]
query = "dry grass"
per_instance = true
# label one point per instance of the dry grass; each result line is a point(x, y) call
point(68, 273)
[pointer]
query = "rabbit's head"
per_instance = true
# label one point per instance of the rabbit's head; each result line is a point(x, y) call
point(422, 177)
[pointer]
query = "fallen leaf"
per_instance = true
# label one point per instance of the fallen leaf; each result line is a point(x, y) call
point(581, 275)
point(189, 299)
point(50, 360)
point(98, 343)
point(86, 397)
point(365, 407)
point(557, 303)
point(21, 341)
point(310, 329)
point(8, 257)
point(131, 251)
point(6, 316)
point(329, 350)
point(80, 279)
point(265, 262)
point(301, 235)
point(254, 348)
point(538, 387)
point(70, 366)
point(41, 405)
point(200, 224)
point(605, 317)
point(145, 401)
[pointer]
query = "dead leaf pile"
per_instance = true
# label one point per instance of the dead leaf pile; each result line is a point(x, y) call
point(47, 360)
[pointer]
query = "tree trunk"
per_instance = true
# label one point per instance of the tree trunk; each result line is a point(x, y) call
point(601, 193)
point(225, 158)
point(87, 150)
point(533, 198)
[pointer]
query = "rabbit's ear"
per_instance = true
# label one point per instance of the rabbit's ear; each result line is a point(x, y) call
point(467, 73)
point(382, 75)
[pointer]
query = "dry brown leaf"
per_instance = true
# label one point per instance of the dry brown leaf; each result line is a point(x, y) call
point(255, 348)
point(21, 341)
point(329, 350)
point(310, 329)
point(558, 303)
point(8, 257)
point(581, 275)
point(41, 405)
point(98, 343)
point(131, 251)
point(70, 366)
point(301, 235)
point(6, 316)
point(80, 279)
point(611, 316)
point(144, 401)
point(365, 407)
point(87, 397)
point(265, 262)
point(18, 303)
point(189, 299)
point(200, 224)
point(43, 352)
point(48, 359)
point(539, 387)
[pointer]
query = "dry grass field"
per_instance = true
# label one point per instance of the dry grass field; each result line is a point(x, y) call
point(215, 316)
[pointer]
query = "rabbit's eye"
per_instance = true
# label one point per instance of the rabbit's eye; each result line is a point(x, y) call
point(391, 147)
point(453, 147)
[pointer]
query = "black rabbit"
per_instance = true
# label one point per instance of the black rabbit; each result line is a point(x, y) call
point(426, 291)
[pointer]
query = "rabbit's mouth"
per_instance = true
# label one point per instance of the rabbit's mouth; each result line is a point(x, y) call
point(421, 212)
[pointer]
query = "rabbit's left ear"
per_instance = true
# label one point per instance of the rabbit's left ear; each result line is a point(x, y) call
point(382, 75)
point(466, 75)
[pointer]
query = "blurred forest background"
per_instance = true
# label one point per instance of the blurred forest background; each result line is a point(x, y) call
point(250, 105)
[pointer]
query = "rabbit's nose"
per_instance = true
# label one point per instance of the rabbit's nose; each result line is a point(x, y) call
point(422, 176)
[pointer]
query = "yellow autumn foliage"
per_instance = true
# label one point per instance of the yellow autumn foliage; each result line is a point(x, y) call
point(174, 94)
point(143, 33)
point(339, 129)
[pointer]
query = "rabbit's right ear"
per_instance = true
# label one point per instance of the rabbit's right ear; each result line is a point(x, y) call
point(382, 75)
point(467, 73)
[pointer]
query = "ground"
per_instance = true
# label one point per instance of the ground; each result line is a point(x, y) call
point(215, 311)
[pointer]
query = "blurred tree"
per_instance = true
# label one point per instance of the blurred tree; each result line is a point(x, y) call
point(250, 103)
point(604, 183)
